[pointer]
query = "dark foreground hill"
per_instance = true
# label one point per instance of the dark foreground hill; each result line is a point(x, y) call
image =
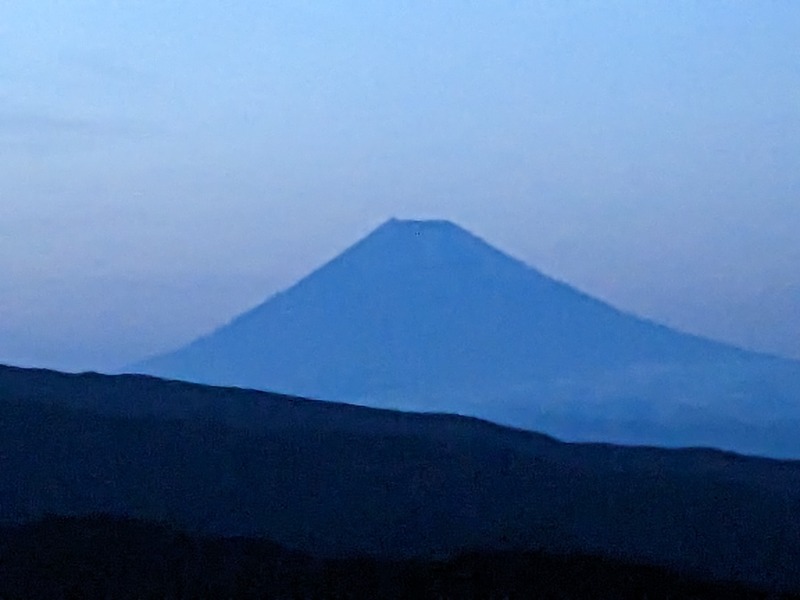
point(103, 557)
point(337, 480)
point(422, 315)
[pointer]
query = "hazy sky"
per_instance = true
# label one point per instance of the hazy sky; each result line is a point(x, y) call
point(165, 165)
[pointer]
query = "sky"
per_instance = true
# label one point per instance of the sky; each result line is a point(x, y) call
point(166, 165)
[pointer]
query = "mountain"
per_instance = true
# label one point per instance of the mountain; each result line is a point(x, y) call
point(336, 480)
point(101, 557)
point(423, 315)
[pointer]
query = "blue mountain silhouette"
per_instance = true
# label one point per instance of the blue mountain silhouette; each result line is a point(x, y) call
point(424, 315)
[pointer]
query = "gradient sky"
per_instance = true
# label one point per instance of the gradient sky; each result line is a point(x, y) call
point(165, 165)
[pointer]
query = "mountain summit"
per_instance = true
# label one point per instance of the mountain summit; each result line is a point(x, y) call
point(424, 315)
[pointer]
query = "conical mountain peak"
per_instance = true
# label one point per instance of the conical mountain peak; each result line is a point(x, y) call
point(413, 229)
point(425, 315)
point(425, 244)
point(415, 226)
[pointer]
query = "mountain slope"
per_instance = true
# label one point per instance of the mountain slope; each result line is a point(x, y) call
point(339, 480)
point(422, 315)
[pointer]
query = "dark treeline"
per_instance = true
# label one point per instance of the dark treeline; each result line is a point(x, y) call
point(106, 557)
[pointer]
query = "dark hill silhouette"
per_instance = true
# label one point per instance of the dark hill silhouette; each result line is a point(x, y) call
point(423, 315)
point(339, 480)
point(104, 557)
